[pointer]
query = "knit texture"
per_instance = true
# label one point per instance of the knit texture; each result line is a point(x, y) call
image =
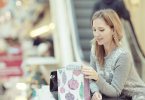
point(118, 76)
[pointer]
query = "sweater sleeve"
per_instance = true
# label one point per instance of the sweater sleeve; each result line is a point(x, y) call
point(93, 86)
point(121, 72)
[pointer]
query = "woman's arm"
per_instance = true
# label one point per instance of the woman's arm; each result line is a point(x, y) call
point(123, 66)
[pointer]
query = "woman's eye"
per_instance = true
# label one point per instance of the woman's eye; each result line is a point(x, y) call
point(102, 30)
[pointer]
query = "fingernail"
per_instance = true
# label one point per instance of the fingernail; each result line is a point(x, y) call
point(82, 72)
point(79, 70)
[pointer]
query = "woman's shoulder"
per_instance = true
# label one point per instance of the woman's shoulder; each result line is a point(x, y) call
point(123, 50)
point(122, 57)
point(119, 52)
point(123, 53)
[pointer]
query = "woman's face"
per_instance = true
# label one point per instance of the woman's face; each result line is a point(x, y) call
point(102, 32)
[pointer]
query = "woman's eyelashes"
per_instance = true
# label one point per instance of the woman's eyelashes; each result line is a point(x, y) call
point(100, 30)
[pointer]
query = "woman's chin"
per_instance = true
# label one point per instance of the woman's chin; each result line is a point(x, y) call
point(100, 43)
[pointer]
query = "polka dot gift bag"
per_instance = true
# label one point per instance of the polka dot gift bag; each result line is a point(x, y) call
point(71, 83)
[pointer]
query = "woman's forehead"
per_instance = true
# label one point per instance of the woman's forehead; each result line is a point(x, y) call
point(99, 23)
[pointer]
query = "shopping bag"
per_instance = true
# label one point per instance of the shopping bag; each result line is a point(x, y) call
point(71, 83)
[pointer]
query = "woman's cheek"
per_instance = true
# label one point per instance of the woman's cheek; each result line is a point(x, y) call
point(94, 34)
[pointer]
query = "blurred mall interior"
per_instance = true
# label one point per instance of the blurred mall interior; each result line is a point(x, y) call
point(40, 36)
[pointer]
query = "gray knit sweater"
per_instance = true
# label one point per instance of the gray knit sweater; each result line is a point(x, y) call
point(118, 76)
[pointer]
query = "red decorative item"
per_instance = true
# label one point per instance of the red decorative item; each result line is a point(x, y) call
point(76, 72)
point(62, 90)
point(73, 84)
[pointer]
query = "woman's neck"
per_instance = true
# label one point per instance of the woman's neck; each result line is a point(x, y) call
point(109, 48)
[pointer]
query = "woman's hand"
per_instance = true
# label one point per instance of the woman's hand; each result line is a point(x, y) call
point(89, 72)
point(96, 96)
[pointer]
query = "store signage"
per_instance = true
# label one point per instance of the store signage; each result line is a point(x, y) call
point(10, 64)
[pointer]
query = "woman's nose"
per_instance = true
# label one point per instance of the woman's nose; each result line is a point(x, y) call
point(96, 34)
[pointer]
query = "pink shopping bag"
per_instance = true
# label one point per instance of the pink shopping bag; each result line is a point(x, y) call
point(71, 83)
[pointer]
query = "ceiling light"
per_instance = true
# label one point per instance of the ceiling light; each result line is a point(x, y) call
point(39, 31)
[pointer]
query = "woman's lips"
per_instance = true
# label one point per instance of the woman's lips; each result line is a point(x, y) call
point(99, 39)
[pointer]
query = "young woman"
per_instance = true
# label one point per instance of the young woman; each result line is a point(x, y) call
point(112, 72)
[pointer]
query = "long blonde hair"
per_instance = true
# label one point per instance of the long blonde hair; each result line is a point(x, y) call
point(111, 18)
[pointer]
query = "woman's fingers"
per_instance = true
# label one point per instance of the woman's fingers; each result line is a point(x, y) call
point(96, 96)
point(85, 68)
point(100, 96)
point(88, 77)
point(87, 73)
point(90, 71)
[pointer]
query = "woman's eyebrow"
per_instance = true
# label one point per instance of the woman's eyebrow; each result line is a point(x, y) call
point(99, 27)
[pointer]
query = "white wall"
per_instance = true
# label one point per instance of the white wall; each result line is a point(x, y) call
point(61, 33)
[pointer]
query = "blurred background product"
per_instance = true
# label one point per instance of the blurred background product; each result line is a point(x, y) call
point(40, 36)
